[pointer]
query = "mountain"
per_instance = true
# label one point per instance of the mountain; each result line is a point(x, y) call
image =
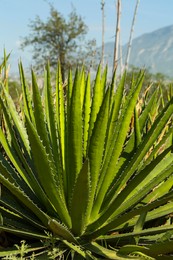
point(151, 50)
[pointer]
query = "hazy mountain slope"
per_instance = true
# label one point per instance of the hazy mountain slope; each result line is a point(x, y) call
point(152, 50)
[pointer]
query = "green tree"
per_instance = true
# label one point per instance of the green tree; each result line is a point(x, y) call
point(60, 38)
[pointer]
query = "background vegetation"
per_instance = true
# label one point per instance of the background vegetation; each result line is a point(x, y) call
point(62, 39)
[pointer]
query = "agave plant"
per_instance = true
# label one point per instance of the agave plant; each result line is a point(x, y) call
point(78, 175)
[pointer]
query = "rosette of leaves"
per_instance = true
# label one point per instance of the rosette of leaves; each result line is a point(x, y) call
point(79, 176)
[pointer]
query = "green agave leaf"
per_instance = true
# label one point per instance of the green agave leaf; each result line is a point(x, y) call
point(60, 230)
point(117, 103)
point(152, 177)
point(52, 224)
point(155, 109)
point(140, 222)
point(165, 237)
point(4, 62)
point(78, 161)
point(103, 81)
point(159, 191)
point(116, 148)
point(5, 211)
point(66, 169)
point(107, 253)
point(22, 233)
point(60, 117)
point(69, 89)
point(155, 214)
point(170, 91)
point(80, 200)
point(29, 179)
point(100, 250)
point(138, 251)
point(49, 107)
point(137, 129)
point(26, 95)
point(4, 71)
point(161, 248)
point(144, 232)
point(96, 146)
point(16, 119)
point(10, 219)
point(129, 148)
point(23, 164)
point(148, 108)
point(41, 125)
point(12, 156)
point(78, 250)
point(96, 100)
point(158, 146)
point(45, 172)
point(9, 172)
point(139, 225)
point(23, 221)
point(98, 231)
point(139, 187)
point(86, 115)
point(12, 206)
point(145, 145)
point(39, 116)
point(50, 118)
point(142, 122)
point(82, 86)
point(21, 196)
point(74, 146)
point(15, 142)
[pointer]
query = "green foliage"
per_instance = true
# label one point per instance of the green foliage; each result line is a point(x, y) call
point(58, 38)
point(151, 81)
point(86, 169)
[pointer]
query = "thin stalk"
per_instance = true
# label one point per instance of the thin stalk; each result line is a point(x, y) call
point(117, 36)
point(121, 57)
point(103, 32)
point(131, 36)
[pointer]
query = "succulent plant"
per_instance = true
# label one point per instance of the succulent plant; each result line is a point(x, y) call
point(75, 169)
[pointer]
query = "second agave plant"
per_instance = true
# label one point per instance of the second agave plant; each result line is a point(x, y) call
point(79, 165)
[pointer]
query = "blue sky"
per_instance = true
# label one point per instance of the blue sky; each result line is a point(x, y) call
point(16, 14)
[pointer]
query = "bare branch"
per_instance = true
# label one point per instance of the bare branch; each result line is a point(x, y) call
point(103, 31)
point(117, 35)
point(121, 56)
point(131, 35)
